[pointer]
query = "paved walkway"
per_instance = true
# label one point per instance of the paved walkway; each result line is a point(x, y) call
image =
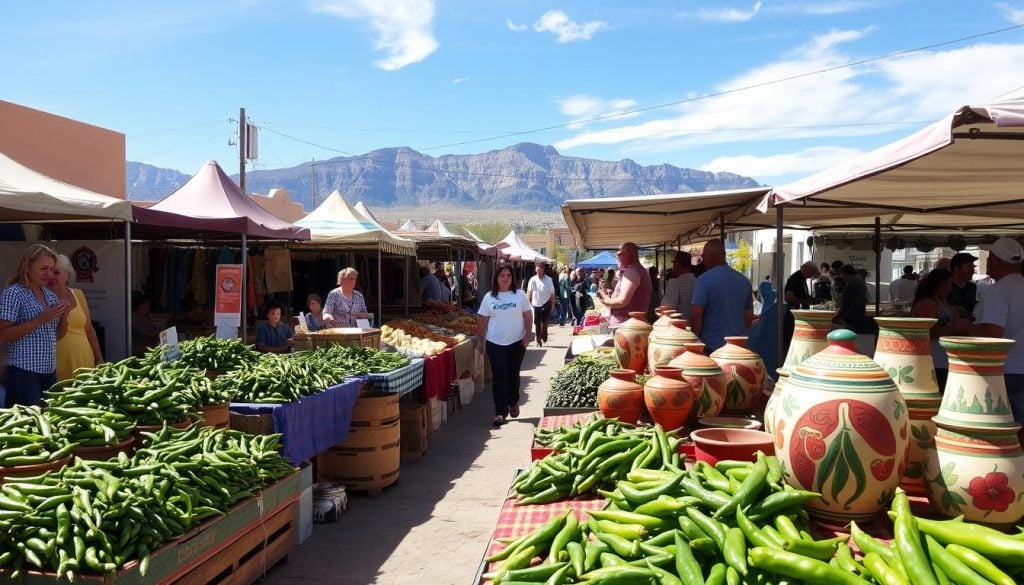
point(433, 526)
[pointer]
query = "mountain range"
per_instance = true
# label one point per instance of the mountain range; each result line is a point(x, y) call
point(524, 176)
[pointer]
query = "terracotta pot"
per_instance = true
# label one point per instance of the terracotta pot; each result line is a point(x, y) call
point(664, 319)
point(774, 400)
point(667, 343)
point(714, 445)
point(975, 396)
point(904, 352)
point(32, 470)
point(105, 452)
point(811, 329)
point(979, 474)
point(216, 415)
point(844, 431)
point(706, 377)
point(728, 422)
point(668, 397)
point(744, 375)
point(631, 340)
point(621, 397)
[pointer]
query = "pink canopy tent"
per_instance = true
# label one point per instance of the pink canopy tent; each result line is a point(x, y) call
point(517, 249)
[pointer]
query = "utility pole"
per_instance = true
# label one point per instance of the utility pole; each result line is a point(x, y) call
point(241, 148)
point(312, 175)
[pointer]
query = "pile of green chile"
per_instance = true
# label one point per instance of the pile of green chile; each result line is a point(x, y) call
point(29, 437)
point(575, 385)
point(278, 378)
point(211, 353)
point(740, 523)
point(94, 517)
point(591, 456)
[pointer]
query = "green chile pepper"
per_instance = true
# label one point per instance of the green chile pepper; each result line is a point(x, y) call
point(808, 570)
point(979, 563)
point(882, 572)
point(953, 567)
point(687, 566)
point(735, 552)
point(908, 543)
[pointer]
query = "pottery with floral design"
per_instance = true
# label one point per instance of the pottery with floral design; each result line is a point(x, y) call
point(669, 342)
point(706, 377)
point(668, 397)
point(841, 429)
point(904, 352)
point(809, 333)
point(975, 394)
point(744, 375)
point(774, 399)
point(621, 397)
point(631, 339)
point(979, 474)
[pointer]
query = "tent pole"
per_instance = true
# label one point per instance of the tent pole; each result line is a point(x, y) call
point(405, 283)
point(380, 289)
point(721, 226)
point(780, 302)
point(128, 290)
point(878, 264)
point(245, 283)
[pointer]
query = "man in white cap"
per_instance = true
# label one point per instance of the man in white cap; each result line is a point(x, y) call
point(1000, 313)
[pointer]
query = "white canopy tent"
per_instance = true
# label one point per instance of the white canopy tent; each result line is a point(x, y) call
point(28, 195)
point(409, 226)
point(337, 222)
point(517, 249)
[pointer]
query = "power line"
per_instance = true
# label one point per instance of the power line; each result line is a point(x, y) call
point(198, 142)
point(178, 129)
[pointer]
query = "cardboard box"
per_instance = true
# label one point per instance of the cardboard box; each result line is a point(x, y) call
point(304, 511)
point(467, 389)
point(414, 431)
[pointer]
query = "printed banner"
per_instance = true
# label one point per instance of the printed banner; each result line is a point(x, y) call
point(228, 305)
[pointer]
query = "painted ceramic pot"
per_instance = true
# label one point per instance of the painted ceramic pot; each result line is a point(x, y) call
point(668, 397)
point(669, 342)
point(979, 474)
point(706, 377)
point(621, 397)
point(975, 395)
point(808, 335)
point(744, 375)
point(664, 319)
point(844, 431)
point(904, 352)
point(631, 340)
point(774, 400)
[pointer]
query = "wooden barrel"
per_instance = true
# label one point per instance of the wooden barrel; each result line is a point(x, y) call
point(370, 457)
point(216, 415)
point(105, 452)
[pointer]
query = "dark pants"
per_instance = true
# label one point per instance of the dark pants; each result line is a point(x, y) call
point(25, 387)
point(540, 320)
point(506, 361)
point(564, 312)
point(1015, 393)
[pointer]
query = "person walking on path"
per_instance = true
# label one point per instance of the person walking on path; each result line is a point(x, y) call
point(78, 347)
point(1000, 313)
point(679, 289)
point(541, 293)
point(503, 327)
point(580, 296)
point(722, 305)
point(564, 298)
point(31, 319)
point(632, 291)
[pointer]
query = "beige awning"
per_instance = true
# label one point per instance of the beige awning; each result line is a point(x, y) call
point(27, 195)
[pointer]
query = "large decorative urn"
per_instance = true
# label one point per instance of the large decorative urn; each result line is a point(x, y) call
point(744, 375)
point(904, 352)
point(774, 398)
point(977, 467)
point(844, 431)
point(669, 342)
point(621, 397)
point(705, 376)
point(631, 338)
point(810, 330)
point(668, 397)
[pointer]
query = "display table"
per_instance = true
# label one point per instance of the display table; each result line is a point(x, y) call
point(555, 422)
point(312, 425)
point(438, 374)
point(401, 381)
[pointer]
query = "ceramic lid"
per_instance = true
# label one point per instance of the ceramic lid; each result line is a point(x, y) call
point(839, 368)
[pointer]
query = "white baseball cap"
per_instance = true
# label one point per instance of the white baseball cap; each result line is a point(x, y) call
point(1007, 249)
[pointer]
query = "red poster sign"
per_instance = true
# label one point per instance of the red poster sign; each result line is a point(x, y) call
point(229, 289)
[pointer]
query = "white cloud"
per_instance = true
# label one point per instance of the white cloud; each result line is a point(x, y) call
point(825, 8)
point(457, 80)
point(585, 107)
point(516, 27)
point(1012, 13)
point(727, 14)
point(864, 100)
point(404, 27)
point(802, 162)
point(567, 30)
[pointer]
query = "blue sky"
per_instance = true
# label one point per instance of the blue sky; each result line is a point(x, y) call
point(355, 75)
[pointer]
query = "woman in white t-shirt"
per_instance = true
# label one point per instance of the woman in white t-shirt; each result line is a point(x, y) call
point(503, 326)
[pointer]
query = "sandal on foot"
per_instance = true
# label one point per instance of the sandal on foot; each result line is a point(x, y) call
point(513, 411)
point(498, 421)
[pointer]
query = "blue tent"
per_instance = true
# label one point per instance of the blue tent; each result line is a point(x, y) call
point(602, 260)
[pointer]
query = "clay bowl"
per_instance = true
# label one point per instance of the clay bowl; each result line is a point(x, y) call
point(716, 444)
point(728, 422)
point(32, 470)
point(105, 452)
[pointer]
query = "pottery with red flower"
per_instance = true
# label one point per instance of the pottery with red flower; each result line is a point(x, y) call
point(668, 397)
point(621, 397)
point(841, 429)
point(706, 377)
point(631, 339)
point(744, 375)
point(669, 342)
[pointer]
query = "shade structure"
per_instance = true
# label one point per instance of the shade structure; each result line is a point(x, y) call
point(603, 260)
point(211, 201)
point(516, 249)
point(649, 220)
point(28, 195)
point(337, 222)
point(409, 226)
point(485, 248)
point(962, 174)
point(437, 241)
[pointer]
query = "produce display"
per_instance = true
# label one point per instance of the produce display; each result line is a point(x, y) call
point(148, 392)
point(592, 456)
point(28, 438)
point(575, 385)
point(91, 427)
point(94, 517)
point(457, 321)
point(413, 338)
point(213, 353)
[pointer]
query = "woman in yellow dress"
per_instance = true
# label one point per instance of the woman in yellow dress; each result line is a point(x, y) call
point(79, 347)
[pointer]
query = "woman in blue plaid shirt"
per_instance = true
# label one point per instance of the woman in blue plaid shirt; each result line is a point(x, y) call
point(31, 316)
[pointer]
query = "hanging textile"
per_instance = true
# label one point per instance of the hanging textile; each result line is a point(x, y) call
point(278, 270)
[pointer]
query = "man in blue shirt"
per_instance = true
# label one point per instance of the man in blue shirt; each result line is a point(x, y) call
point(722, 305)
